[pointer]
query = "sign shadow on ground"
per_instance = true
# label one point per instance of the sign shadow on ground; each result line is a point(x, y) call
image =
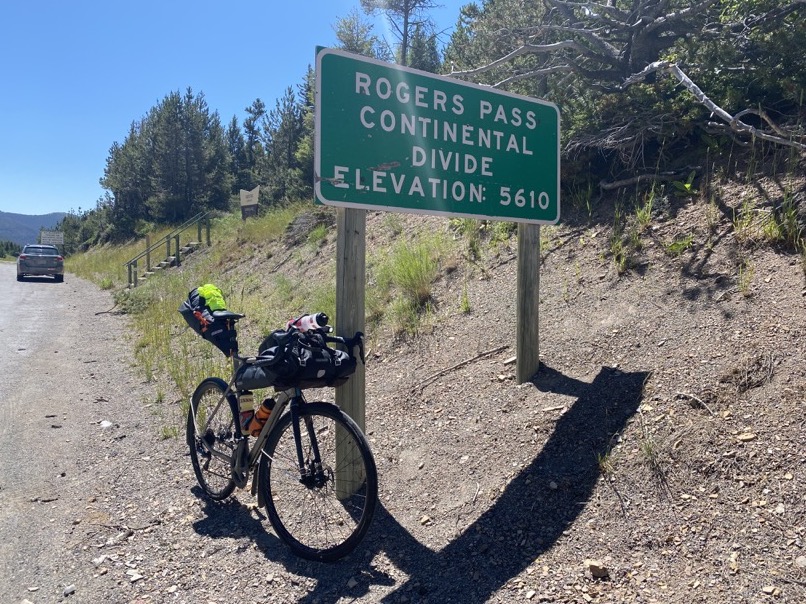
point(526, 520)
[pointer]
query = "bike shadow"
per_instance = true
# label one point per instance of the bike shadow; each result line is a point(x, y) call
point(231, 518)
point(525, 521)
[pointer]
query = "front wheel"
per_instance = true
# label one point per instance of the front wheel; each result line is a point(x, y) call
point(323, 509)
point(211, 437)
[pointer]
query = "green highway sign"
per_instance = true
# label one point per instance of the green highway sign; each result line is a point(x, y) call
point(393, 138)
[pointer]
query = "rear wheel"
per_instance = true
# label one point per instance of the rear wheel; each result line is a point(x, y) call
point(321, 511)
point(211, 437)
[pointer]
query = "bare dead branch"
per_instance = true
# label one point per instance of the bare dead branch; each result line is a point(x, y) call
point(679, 15)
point(774, 15)
point(447, 370)
point(763, 115)
point(537, 73)
point(635, 180)
point(734, 122)
point(518, 52)
point(697, 399)
point(610, 51)
point(594, 9)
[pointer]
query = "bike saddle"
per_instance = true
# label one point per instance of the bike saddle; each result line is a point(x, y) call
point(227, 315)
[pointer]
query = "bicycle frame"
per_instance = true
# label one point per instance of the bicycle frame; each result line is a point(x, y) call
point(292, 398)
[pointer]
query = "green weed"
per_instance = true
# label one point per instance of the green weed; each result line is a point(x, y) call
point(412, 269)
point(464, 302)
point(502, 232)
point(605, 463)
point(318, 235)
point(643, 211)
point(745, 279)
point(168, 432)
point(392, 221)
point(679, 245)
point(686, 187)
point(581, 198)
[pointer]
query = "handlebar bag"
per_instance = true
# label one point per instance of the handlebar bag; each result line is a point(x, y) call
point(304, 360)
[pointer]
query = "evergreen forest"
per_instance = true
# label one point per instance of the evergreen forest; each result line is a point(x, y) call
point(649, 91)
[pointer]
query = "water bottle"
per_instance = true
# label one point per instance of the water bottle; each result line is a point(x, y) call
point(306, 322)
point(246, 419)
point(261, 416)
point(246, 401)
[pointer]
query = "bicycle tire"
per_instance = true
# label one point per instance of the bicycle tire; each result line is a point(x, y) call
point(217, 432)
point(311, 517)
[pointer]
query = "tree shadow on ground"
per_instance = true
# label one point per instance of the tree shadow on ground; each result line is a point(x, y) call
point(523, 523)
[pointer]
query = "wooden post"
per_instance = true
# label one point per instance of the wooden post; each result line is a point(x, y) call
point(207, 223)
point(350, 299)
point(148, 252)
point(178, 259)
point(528, 302)
point(198, 231)
point(135, 273)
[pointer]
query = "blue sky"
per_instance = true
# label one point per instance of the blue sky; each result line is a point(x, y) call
point(75, 75)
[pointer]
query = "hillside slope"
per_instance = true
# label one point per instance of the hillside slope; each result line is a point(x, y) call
point(662, 437)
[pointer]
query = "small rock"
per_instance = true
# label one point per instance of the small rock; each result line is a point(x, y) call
point(800, 562)
point(746, 437)
point(172, 589)
point(780, 509)
point(106, 424)
point(530, 594)
point(770, 590)
point(352, 582)
point(553, 485)
point(425, 520)
point(70, 589)
point(597, 569)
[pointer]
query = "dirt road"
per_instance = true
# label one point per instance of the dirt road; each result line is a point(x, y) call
point(61, 364)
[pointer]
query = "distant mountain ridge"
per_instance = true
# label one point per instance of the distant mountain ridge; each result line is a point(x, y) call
point(24, 228)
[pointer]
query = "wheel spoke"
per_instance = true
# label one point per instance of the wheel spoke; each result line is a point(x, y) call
point(211, 438)
point(318, 514)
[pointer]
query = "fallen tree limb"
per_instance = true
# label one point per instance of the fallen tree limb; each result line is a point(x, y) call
point(734, 121)
point(442, 372)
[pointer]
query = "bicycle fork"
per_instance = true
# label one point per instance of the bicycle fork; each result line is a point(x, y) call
point(311, 474)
